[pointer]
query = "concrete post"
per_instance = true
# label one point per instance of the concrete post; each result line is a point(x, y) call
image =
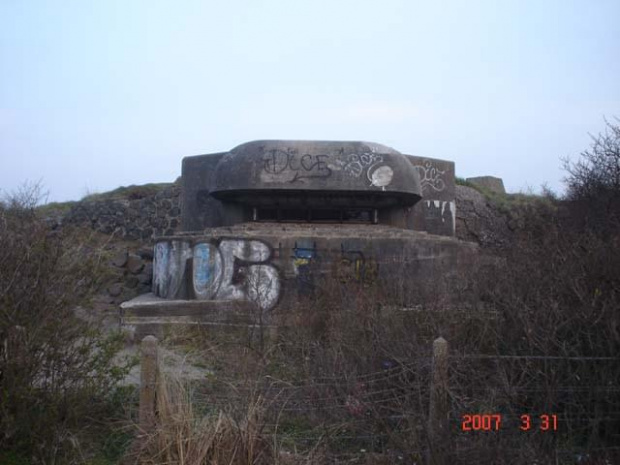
point(438, 427)
point(148, 383)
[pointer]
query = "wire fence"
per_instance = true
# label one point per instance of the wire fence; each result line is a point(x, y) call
point(484, 403)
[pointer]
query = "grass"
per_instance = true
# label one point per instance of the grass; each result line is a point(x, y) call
point(55, 208)
point(511, 204)
point(318, 395)
point(132, 192)
point(464, 182)
point(184, 437)
point(113, 448)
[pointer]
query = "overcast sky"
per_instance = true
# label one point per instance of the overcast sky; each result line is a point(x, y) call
point(98, 94)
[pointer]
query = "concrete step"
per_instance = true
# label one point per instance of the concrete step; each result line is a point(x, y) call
point(150, 315)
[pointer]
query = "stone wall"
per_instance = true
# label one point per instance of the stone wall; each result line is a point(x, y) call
point(159, 214)
point(131, 273)
point(141, 218)
point(479, 220)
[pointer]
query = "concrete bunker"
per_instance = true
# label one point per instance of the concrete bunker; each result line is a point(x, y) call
point(318, 182)
point(262, 222)
point(300, 181)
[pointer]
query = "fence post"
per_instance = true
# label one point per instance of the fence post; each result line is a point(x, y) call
point(148, 383)
point(15, 350)
point(438, 427)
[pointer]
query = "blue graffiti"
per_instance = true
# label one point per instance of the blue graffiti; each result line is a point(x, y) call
point(304, 257)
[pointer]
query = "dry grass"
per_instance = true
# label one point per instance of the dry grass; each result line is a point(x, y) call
point(186, 437)
point(347, 378)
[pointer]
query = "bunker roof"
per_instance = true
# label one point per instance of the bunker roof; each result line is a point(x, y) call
point(337, 167)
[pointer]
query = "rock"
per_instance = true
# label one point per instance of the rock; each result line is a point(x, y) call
point(132, 234)
point(131, 218)
point(159, 223)
point(477, 220)
point(145, 253)
point(120, 259)
point(147, 233)
point(135, 264)
point(145, 278)
point(144, 288)
point(132, 281)
point(127, 294)
point(115, 289)
point(148, 270)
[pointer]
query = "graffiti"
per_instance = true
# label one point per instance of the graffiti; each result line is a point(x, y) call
point(160, 268)
point(430, 176)
point(381, 177)
point(245, 275)
point(286, 162)
point(304, 257)
point(233, 270)
point(206, 270)
point(169, 267)
point(440, 210)
point(355, 266)
point(355, 163)
point(288, 165)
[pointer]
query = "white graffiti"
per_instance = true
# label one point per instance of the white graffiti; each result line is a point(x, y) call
point(237, 269)
point(206, 271)
point(381, 177)
point(440, 206)
point(355, 163)
point(169, 263)
point(430, 176)
point(261, 283)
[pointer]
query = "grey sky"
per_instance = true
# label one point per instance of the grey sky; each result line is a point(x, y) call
point(97, 94)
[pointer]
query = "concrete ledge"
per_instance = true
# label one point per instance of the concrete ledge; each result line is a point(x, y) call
point(151, 300)
point(162, 328)
point(151, 315)
point(148, 305)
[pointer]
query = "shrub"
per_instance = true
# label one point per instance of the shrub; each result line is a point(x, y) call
point(593, 181)
point(56, 370)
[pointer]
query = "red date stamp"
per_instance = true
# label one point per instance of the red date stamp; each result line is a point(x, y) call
point(493, 422)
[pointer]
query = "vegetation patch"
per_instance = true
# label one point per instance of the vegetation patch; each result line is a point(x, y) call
point(133, 192)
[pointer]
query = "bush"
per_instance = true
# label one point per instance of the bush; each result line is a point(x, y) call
point(56, 370)
point(593, 182)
